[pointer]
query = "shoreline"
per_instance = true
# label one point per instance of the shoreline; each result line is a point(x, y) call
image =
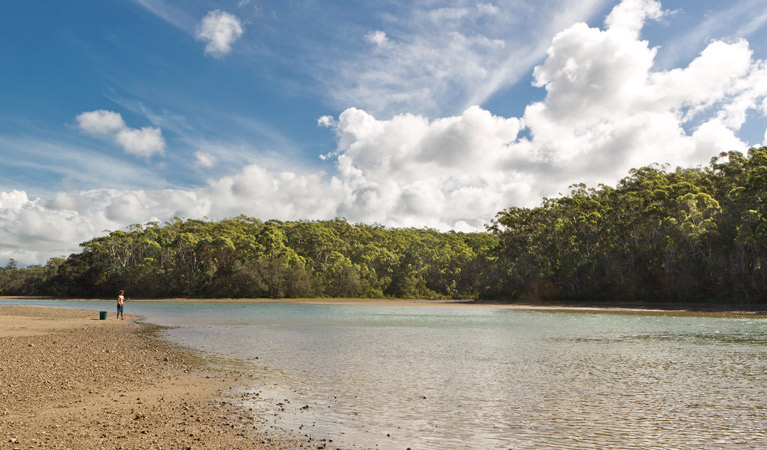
point(617, 308)
point(70, 380)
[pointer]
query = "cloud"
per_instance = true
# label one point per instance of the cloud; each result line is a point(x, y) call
point(144, 142)
point(326, 121)
point(174, 15)
point(376, 37)
point(100, 122)
point(442, 15)
point(410, 171)
point(754, 24)
point(488, 9)
point(13, 201)
point(630, 15)
point(205, 159)
point(607, 110)
point(25, 229)
point(126, 207)
point(219, 30)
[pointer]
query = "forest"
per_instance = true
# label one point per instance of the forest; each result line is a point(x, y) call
point(689, 235)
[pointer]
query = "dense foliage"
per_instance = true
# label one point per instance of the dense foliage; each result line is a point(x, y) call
point(244, 257)
point(688, 235)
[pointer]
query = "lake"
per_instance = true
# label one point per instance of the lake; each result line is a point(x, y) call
point(449, 377)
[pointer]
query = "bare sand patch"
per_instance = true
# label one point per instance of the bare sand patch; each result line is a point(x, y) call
point(69, 380)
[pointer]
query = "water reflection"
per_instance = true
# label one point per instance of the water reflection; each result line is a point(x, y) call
point(527, 380)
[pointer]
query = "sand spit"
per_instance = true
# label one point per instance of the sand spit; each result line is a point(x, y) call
point(69, 380)
point(618, 308)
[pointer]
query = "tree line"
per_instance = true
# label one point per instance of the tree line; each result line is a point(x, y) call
point(686, 235)
point(244, 257)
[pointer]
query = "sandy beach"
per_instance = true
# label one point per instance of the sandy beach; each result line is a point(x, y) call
point(69, 380)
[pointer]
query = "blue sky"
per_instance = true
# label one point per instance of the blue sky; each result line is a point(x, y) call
point(433, 113)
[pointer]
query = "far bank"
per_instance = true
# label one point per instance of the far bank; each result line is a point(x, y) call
point(593, 307)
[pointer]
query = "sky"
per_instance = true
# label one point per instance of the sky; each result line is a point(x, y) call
point(433, 113)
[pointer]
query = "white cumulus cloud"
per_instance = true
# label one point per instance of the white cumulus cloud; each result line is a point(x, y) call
point(25, 229)
point(607, 110)
point(100, 122)
point(219, 30)
point(630, 15)
point(144, 142)
point(326, 121)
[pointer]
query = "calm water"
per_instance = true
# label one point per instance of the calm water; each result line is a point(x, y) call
point(448, 378)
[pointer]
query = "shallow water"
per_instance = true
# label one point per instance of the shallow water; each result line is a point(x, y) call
point(457, 377)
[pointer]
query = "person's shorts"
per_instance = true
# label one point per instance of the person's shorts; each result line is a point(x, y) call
point(119, 309)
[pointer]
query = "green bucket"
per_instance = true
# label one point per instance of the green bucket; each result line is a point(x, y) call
point(102, 315)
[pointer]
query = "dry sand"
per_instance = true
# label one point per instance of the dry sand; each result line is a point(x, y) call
point(69, 380)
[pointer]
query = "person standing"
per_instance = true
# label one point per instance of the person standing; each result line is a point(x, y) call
point(121, 304)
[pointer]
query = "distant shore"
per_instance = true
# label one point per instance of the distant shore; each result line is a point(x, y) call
point(681, 309)
point(70, 380)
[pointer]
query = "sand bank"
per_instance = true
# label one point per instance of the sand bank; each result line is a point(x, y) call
point(618, 308)
point(69, 380)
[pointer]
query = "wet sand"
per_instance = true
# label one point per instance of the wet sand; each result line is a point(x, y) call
point(69, 380)
point(618, 308)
